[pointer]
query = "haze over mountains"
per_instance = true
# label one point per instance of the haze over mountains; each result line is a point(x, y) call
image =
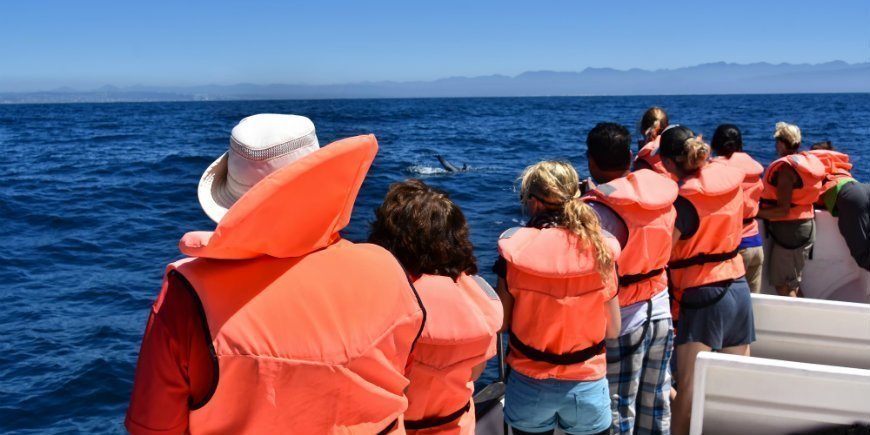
point(712, 78)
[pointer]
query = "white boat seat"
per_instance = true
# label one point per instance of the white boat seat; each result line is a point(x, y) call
point(812, 331)
point(736, 394)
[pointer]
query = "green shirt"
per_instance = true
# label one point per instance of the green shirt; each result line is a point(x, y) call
point(830, 197)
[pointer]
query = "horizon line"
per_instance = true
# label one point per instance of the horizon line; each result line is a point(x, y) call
point(3, 103)
point(70, 89)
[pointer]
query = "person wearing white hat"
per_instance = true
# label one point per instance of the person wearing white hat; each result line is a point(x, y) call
point(255, 331)
point(259, 145)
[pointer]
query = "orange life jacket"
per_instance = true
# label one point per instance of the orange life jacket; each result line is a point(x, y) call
point(811, 172)
point(310, 333)
point(644, 200)
point(462, 319)
point(837, 167)
point(752, 187)
point(559, 316)
point(649, 154)
point(710, 255)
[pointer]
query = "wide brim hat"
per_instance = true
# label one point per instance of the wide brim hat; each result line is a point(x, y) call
point(259, 145)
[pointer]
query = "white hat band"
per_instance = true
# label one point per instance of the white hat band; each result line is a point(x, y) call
point(243, 173)
point(274, 151)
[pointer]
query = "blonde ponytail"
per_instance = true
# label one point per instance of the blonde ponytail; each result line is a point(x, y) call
point(653, 131)
point(557, 186)
point(653, 122)
point(579, 218)
point(697, 153)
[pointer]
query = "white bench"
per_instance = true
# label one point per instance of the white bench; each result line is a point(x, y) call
point(747, 395)
point(812, 331)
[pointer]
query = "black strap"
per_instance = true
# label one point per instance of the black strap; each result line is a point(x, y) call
point(703, 259)
point(389, 428)
point(635, 346)
point(748, 220)
point(626, 280)
point(426, 423)
point(563, 359)
point(774, 202)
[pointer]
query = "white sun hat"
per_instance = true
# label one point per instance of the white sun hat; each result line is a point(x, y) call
point(259, 145)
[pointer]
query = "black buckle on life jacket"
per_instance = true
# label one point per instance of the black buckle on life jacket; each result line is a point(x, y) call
point(627, 280)
point(703, 259)
point(426, 423)
point(563, 359)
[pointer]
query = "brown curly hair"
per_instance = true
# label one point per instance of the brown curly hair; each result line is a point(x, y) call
point(425, 230)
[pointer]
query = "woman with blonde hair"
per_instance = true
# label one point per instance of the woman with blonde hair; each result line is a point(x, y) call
point(791, 185)
point(652, 124)
point(557, 283)
point(714, 309)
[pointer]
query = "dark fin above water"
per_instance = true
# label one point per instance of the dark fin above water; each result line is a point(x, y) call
point(450, 167)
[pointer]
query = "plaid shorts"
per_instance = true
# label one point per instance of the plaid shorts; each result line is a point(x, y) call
point(640, 383)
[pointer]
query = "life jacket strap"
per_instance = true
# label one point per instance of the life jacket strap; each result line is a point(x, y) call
point(627, 280)
point(562, 359)
point(426, 423)
point(703, 259)
point(774, 202)
point(389, 428)
point(634, 347)
point(748, 220)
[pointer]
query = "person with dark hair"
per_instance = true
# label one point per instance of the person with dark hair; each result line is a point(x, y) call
point(792, 185)
point(728, 145)
point(847, 199)
point(637, 208)
point(652, 124)
point(428, 234)
point(714, 308)
point(557, 281)
point(824, 146)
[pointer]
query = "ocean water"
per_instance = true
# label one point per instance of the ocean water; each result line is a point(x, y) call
point(95, 196)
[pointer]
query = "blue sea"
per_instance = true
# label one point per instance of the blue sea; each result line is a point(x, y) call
point(94, 198)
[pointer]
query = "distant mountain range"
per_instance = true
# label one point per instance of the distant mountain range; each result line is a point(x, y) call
point(711, 78)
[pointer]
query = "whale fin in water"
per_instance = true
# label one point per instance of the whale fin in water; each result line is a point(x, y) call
point(450, 167)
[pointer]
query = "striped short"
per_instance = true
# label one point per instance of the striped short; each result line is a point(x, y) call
point(640, 382)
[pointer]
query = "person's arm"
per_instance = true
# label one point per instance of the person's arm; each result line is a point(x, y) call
point(614, 319)
point(477, 370)
point(507, 303)
point(675, 237)
point(786, 179)
point(161, 388)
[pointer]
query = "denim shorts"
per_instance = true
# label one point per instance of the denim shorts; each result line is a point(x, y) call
point(726, 323)
point(538, 405)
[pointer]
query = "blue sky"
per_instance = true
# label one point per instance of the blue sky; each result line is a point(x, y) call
point(48, 44)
